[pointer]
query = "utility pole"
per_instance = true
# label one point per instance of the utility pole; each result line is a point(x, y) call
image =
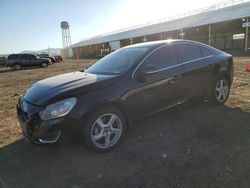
point(246, 37)
point(209, 35)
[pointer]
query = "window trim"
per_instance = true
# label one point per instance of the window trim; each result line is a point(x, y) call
point(186, 62)
point(200, 47)
point(181, 55)
point(144, 59)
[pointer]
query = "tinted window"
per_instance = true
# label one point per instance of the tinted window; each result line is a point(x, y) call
point(189, 52)
point(205, 51)
point(117, 62)
point(13, 56)
point(24, 56)
point(32, 57)
point(163, 57)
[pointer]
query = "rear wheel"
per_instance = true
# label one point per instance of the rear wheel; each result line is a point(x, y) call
point(44, 64)
point(17, 67)
point(220, 91)
point(104, 129)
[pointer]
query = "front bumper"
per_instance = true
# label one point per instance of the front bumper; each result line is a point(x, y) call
point(36, 130)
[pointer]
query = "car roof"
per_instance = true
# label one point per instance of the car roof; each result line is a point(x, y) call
point(22, 54)
point(162, 42)
point(155, 44)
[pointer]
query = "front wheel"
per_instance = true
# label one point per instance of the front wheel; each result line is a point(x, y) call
point(44, 64)
point(220, 91)
point(104, 129)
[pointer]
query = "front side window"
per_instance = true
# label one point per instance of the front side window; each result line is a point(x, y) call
point(162, 58)
point(32, 57)
point(189, 52)
point(117, 62)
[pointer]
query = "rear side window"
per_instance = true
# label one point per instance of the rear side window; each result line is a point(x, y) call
point(189, 52)
point(13, 56)
point(163, 57)
point(205, 51)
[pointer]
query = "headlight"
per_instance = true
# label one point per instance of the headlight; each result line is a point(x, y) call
point(58, 109)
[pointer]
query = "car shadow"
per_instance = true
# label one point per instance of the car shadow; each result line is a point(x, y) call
point(195, 144)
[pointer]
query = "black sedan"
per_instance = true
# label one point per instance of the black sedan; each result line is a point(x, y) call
point(126, 85)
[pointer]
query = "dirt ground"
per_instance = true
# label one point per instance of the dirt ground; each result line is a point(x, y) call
point(193, 145)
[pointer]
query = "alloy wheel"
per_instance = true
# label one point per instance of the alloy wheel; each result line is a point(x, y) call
point(106, 131)
point(221, 90)
point(44, 65)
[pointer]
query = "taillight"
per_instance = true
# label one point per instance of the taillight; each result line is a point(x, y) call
point(230, 60)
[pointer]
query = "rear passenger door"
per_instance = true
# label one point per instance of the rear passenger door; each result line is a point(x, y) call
point(193, 69)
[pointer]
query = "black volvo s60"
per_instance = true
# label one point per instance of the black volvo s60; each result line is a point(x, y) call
point(126, 85)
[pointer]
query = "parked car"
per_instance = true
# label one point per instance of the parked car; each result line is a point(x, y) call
point(44, 55)
point(3, 61)
point(124, 86)
point(18, 61)
point(58, 58)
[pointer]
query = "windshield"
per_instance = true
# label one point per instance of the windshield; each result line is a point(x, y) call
point(117, 62)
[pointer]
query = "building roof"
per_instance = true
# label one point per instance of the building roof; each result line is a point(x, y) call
point(207, 16)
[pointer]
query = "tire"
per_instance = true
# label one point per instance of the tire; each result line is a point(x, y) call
point(44, 64)
point(17, 66)
point(220, 90)
point(104, 129)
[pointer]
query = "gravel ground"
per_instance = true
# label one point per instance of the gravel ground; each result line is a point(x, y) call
point(193, 145)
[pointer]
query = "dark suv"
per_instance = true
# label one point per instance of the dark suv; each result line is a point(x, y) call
point(18, 61)
point(126, 85)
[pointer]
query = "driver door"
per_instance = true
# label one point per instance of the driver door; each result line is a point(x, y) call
point(157, 90)
point(33, 60)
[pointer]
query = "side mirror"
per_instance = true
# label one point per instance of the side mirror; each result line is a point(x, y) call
point(148, 70)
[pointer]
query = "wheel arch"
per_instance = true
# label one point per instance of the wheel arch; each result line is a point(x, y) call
point(226, 75)
point(17, 63)
point(113, 104)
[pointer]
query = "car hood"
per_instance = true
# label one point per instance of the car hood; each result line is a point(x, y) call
point(44, 58)
point(42, 91)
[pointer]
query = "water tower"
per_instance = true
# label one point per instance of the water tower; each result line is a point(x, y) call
point(66, 38)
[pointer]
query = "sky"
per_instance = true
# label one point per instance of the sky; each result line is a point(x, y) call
point(35, 24)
